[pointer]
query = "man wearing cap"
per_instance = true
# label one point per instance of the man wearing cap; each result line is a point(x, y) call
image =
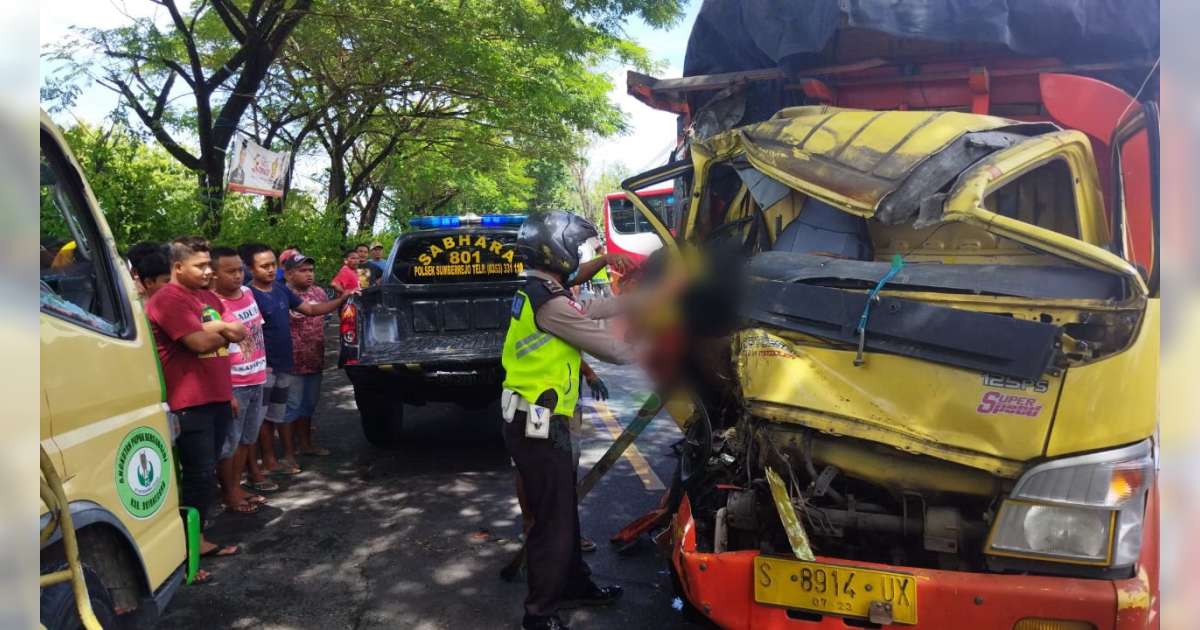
point(308, 353)
point(377, 259)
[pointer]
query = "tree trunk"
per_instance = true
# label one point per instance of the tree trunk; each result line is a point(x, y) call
point(212, 199)
point(336, 199)
point(370, 211)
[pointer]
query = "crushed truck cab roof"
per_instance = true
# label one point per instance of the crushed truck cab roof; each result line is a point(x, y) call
point(860, 160)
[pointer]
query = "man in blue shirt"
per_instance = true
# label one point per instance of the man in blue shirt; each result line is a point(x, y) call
point(377, 260)
point(275, 300)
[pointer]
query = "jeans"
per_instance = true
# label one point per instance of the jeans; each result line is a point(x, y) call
point(202, 431)
point(303, 397)
point(275, 395)
point(243, 430)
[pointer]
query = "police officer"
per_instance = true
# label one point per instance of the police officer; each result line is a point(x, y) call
point(542, 356)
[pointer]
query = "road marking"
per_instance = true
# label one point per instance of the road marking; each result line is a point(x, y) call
point(631, 454)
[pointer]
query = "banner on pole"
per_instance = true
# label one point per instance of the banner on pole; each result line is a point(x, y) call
point(254, 170)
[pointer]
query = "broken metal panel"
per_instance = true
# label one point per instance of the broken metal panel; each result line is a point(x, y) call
point(1027, 281)
point(850, 159)
point(947, 413)
point(797, 537)
point(961, 338)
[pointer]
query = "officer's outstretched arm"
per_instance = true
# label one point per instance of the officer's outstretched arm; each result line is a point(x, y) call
point(564, 319)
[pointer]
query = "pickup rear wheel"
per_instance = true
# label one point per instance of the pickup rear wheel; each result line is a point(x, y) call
point(382, 414)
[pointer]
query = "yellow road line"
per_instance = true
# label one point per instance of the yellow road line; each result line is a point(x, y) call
point(631, 454)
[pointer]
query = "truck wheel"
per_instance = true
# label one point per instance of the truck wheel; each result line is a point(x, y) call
point(58, 612)
point(382, 415)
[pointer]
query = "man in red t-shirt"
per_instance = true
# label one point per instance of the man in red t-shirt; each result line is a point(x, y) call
point(347, 277)
point(192, 345)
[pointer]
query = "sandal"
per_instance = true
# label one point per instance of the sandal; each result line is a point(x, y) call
point(586, 545)
point(221, 551)
point(265, 485)
point(288, 468)
point(256, 499)
point(202, 577)
point(243, 508)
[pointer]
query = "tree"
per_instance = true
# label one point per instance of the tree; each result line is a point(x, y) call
point(420, 106)
point(395, 80)
point(220, 50)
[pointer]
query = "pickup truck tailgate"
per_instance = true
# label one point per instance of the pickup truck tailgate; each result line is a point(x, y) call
point(402, 328)
point(446, 300)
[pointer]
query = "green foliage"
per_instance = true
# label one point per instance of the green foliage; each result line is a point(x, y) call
point(551, 185)
point(303, 222)
point(422, 107)
point(145, 194)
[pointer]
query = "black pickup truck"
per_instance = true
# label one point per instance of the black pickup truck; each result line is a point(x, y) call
point(433, 328)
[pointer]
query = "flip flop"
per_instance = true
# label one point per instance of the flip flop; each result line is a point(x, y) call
point(256, 499)
point(242, 508)
point(221, 551)
point(586, 545)
point(202, 577)
point(265, 485)
point(285, 469)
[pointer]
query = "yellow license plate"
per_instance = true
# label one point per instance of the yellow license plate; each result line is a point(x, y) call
point(830, 588)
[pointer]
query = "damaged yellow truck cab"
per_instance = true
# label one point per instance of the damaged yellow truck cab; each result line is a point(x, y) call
point(941, 354)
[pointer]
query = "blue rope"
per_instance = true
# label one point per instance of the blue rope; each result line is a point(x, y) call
point(897, 265)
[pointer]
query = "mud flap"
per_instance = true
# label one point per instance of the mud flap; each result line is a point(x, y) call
point(797, 537)
point(191, 525)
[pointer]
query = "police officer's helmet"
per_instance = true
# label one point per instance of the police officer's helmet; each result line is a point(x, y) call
point(550, 240)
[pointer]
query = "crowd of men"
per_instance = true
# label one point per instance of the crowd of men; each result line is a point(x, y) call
point(240, 338)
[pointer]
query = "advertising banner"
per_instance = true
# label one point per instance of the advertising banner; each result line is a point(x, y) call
point(254, 170)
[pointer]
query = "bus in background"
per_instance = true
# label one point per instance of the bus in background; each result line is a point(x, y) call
point(627, 232)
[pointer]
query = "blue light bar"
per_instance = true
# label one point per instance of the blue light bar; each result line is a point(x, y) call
point(427, 223)
point(497, 220)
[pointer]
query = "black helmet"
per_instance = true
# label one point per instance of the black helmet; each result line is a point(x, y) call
point(551, 240)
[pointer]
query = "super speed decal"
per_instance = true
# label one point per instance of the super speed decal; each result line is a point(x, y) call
point(466, 255)
point(996, 403)
point(142, 477)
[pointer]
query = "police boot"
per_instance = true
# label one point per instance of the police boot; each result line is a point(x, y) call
point(551, 622)
point(593, 595)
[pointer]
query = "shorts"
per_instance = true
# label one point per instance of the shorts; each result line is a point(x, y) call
point(275, 395)
point(243, 430)
point(302, 401)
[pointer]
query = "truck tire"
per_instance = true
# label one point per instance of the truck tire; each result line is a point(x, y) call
point(57, 606)
point(382, 415)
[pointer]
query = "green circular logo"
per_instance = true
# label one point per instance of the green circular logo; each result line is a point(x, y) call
point(141, 472)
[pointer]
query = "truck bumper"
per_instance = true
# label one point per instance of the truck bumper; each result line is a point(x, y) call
point(721, 586)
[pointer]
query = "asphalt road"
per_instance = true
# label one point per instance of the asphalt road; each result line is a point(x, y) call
point(415, 537)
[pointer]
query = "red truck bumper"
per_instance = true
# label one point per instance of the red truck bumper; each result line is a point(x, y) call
point(721, 586)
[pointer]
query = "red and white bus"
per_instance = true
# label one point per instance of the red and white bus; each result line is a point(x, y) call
point(627, 232)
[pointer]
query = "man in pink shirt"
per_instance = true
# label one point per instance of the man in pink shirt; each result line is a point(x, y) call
point(248, 372)
point(347, 277)
point(308, 353)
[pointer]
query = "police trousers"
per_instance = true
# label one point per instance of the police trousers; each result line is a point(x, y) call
point(556, 570)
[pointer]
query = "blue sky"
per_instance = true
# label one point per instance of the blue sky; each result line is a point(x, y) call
point(650, 136)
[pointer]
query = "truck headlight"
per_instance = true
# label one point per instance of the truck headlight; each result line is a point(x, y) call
point(1086, 509)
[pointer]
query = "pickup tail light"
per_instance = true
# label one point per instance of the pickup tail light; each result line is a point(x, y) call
point(348, 333)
